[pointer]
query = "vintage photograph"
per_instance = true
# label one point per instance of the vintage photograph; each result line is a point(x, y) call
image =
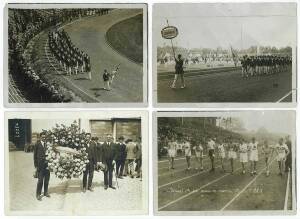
point(75, 54)
point(224, 163)
point(72, 163)
point(237, 53)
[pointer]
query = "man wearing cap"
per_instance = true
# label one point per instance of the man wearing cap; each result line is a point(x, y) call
point(120, 157)
point(88, 174)
point(108, 157)
point(40, 163)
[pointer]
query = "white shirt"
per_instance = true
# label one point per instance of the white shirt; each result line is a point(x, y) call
point(282, 149)
point(253, 146)
point(211, 145)
point(243, 148)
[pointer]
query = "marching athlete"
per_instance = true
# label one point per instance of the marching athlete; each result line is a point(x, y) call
point(172, 147)
point(199, 155)
point(253, 157)
point(282, 151)
point(268, 152)
point(211, 153)
point(243, 149)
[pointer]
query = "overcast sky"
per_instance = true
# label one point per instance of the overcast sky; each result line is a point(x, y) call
point(239, 25)
point(273, 121)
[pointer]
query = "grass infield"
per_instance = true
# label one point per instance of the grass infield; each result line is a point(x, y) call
point(127, 38)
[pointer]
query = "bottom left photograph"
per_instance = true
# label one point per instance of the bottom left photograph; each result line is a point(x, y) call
point(76, 163)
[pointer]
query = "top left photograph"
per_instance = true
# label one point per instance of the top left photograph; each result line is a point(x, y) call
point(75, 55)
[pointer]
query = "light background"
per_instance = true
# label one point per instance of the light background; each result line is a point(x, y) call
point(149, 108)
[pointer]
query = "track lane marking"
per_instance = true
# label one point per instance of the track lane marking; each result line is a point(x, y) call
point(179, 170)
point(287, 190)
point(285, 96)
point(195, 191)
point(244, 189)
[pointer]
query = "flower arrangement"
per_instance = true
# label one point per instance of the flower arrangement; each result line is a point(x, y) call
point(66, 151)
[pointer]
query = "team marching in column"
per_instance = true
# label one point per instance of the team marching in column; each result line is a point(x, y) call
point(247, 152)
point(69, 56)
point(264, 65)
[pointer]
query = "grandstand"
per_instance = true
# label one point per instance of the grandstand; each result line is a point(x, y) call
point(23, 26)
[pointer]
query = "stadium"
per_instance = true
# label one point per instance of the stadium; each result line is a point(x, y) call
point(60, 55)
point(229, 53)
point(184, 188)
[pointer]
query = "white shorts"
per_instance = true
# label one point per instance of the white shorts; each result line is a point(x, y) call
point(243, 157)
point(280, 157)
point(198, 154)
point(253, 156)
point(171, 153)
point(231, 155)
point(222, 154)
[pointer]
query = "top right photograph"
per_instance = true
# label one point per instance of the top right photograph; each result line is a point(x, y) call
point(224, 54)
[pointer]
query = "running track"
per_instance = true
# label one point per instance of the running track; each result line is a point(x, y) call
point(181, 190)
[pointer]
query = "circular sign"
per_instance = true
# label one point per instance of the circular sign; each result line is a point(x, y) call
point(169, 32)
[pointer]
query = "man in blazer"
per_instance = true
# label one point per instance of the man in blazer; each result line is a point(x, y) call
point(88, 174)
point(120, 157)
point(41, 165)
point(108, 157)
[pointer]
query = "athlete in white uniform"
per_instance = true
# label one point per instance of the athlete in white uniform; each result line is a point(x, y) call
point(199, 155)
point(267, 152)
point(172, 147)
point(232, 154)
point(188, 153)
point(243, 149)
point(253, 148)
point(221, 155)
point(282, 151)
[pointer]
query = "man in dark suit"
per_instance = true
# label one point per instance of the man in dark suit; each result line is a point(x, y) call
point(40, 163)
point(108, 156)
point(88, 174)
point(120, 157)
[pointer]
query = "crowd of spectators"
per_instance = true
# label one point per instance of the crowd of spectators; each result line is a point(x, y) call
point(23, 25)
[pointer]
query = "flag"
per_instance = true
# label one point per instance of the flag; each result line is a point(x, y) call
point(235, 56)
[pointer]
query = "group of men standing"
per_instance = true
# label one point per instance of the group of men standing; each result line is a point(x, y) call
point(264, 65)
point(121, 157)
point(245, 150)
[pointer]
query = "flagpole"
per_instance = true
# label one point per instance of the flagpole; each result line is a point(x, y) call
point(171, 41)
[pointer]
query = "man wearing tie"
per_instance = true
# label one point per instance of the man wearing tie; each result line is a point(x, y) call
point(108, 156)
point(41, 165)
point(88, 174)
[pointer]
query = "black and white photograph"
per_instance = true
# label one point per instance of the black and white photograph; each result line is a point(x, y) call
point(84, 163)
point(224, 163)
point(224, 53)
point(75, 54)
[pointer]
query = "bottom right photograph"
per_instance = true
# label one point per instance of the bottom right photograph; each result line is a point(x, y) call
point(224, 162)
